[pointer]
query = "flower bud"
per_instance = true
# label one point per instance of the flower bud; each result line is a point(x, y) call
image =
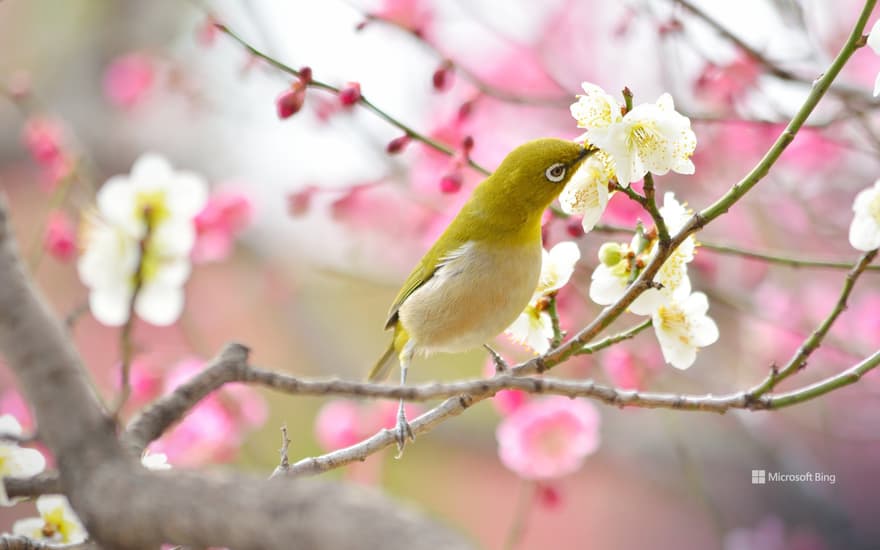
point(442, 78)
point(467, 145)
point(290, 101)
point(305, 75)
point(610, 254)
point(575, 227)
point(398, 144)
point(350, 94)
point(451, 183)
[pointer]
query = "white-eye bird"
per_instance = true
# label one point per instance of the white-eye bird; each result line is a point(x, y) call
point(482, 271)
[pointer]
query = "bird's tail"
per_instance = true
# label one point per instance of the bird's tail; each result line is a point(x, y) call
point(389, 358)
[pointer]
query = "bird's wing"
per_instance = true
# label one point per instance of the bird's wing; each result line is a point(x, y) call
point(428, 267)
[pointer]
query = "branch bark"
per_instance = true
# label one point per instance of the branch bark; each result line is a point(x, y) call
point(125, 506)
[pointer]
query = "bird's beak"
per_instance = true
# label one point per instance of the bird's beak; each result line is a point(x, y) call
point(585, 152)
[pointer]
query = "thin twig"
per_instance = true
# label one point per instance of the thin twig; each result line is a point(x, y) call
point(768, 257)
point(284, 464)
point(363, 101)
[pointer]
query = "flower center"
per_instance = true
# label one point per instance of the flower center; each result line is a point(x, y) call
point(874, 208)
point(644, 136)
point(56, 524)
point(152, 206)
point(673, 319)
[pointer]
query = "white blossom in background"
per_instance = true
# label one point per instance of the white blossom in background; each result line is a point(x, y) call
point(681, 327)
point(16, 461)
point(534, 327)
point(587, 191)
point(652, 137)
point(155, 461)
point(874, 43)
point(57, 523)
point(154, 208)
point(864, 232)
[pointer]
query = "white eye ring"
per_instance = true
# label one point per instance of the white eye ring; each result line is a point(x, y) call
point(556, 172)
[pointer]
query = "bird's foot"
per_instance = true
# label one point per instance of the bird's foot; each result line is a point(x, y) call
point(501, 366)
point(402, 431)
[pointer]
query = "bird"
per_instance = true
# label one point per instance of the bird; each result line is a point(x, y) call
point(484, 268)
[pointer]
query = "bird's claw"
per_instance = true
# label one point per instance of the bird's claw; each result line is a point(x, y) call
point(402, 432)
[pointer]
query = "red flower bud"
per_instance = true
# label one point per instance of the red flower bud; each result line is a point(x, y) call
point(442, 77)
point(398, 144)
point(305, 75)
point(350, 94)
point(451, 183)
point(467, 145)
point(574, 228)
point(290, 101)
point(464, 111)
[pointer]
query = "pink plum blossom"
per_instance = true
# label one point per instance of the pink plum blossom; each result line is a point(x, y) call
point(723, 85)
point(622, 368)
point(44, 139)
point(415, 15)
point(59, 239)
point(215, 429)
point(128, 79)
point(343, 422)
point(548, 438)
point(339, 424)
point(224, 215)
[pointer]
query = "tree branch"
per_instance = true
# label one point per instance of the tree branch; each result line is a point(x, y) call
point(123, 505)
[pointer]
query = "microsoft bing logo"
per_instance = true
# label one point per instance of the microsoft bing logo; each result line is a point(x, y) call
point(759, 477)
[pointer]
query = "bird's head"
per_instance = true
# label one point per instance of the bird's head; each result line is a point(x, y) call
point(534, 174)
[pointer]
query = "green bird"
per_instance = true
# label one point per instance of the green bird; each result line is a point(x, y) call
point(482, 271)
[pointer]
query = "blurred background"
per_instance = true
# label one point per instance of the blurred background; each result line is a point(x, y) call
point(313, 226)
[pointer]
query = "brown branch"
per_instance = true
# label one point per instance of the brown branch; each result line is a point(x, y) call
point(11, 542)
point(122, 505)
point(46, 483)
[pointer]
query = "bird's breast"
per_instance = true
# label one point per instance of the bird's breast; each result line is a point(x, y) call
point(477, 291)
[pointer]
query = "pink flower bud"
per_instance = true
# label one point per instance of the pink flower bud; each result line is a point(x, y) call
point(442, 78)
point(43, 138)
point(398, 144)
point(548, 496)
point(574, 228)
point(467, 145)
point(128, 79)
point(350, 94)
point(290, 101)
point(60, 237)
point(451, 183)
point(305, 75)
point(206, 34)
point(465, 110)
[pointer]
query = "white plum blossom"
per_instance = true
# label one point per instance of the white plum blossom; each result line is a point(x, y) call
point(586, 193)
point(681, 327)
point(874, 43)
point(864, 232)
point(613, 275)
point(534, 327)
point(150, 210)
point(595, 111)
point(652, 137)
point(58, 523)
point(16, 461)
point(155, 461)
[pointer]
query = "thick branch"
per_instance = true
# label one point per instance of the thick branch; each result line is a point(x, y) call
point(124, 506)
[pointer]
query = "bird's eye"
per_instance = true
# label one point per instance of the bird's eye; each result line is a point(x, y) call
point(555, 172)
